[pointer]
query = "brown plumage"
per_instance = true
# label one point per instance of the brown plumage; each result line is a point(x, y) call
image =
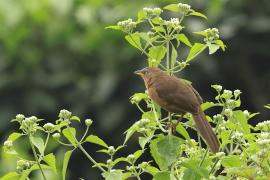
point(176, 96)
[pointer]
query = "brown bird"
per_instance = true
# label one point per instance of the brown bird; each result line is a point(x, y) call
point(177, 96)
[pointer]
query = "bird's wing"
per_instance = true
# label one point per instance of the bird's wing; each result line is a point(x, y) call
point(177, 96)
point(199, 98)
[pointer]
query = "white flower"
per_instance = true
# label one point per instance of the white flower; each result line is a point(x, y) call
point(236, 93)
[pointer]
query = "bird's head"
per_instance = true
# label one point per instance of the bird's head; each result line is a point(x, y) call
point(148, 72)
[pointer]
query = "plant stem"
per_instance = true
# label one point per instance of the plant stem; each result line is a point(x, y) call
point(152, 25)
point(168, 57)
point(36, 158)
point(85, 133)
point(204, 156)
point(84, 151)
point(157, 119)
point(47, 139)
point(213, 167)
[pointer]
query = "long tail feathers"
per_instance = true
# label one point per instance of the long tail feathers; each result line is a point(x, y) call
point(206, 131)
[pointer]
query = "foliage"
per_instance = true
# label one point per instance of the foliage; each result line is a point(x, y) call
point(244, 151)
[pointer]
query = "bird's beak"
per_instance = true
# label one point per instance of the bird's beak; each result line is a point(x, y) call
point(138, 72)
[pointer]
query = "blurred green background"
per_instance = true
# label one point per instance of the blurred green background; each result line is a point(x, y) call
point(56, 54)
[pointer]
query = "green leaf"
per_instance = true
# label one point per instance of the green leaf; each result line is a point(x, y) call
point(231, 161)
point(208, 105)
point(172, 7)
point(181, 130)
point(138, 97)
point(157, 53)
point(189, 174)
point(96, 140)
point(134, 39)
point(221, 44)
point(159, 29)
point(75, 118)
point(138, 154)
point(241, 121)
point(141, 15)
point(126, 175)
point(173, 55)
point(156, 20)
point(212, 48)
point(10, 176)
point(113, 175)
point(14, 136)
point(183, 38)
point(203, 33)
point(152, 170)
point(130, 132)
point(246, 172)
point(267, 106)
point(143, 141)
point(51, 161)
point(26, 172)
point(165, 175)
point(116, 161)
point(194, 13)
point(196, 49)
point(65, 163)
point(165, 150)
point(70, 134)
point(113, 27)
point(38, 143)
point(193, 165)
point(225, 138)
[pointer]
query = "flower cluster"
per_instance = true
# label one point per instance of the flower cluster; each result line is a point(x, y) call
point(173, 23)
point(127, 26)
point(8, 146)
point(184, 8)
point(49, 127)
point(152, 12)
point(64, 114)
point(23, 165)
point(211, 35)
point(30, 125)
point(263, 126)
point(144, 126)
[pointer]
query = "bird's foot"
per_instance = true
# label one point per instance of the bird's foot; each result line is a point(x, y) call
point(171, 127)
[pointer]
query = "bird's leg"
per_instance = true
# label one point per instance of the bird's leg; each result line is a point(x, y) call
point(174, 125)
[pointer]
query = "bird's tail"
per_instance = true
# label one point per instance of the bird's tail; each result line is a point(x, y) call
point(206, 130)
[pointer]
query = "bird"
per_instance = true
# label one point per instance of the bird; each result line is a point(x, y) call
point(177, 96)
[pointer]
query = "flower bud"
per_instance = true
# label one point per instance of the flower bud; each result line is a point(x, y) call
point(88, 122)
point(228, 112)
point(184, 8)
point(220, 154)
point(127, 25)
point(236, 93)
point(227, 94)
point(131, 158)
point(8, 144)
point(246, 113)
point(20, 117)
point(109, 162)
point(150, 34)
point(143, 165)
point(212, 34)
point(64, 114)
point(49, 127)
point(20, 163)
point(56, 136)
point(218, 88)
point(111, 150)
